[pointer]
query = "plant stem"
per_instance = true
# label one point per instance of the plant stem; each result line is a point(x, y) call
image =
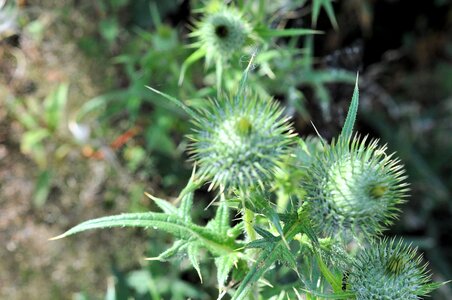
point(248, 220)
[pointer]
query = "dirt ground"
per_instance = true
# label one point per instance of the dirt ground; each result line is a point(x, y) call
point(31, 267)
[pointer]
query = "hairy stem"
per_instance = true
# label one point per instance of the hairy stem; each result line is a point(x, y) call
point(248, 220)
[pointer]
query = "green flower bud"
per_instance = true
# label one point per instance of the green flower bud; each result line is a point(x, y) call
point(238, 143)
point(389, 270)
point(353, 189)
point(222, 33)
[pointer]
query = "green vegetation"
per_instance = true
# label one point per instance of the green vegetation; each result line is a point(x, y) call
point(110, 106)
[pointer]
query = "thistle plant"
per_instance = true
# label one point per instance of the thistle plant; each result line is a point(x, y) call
point(388, 269)
point(239, 142)
point(242, 146)
point(354, 188)
point(224, 32)
point(221, 33)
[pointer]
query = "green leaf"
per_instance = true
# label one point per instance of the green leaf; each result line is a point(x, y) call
point(347, 130)
point(322, 94)
point(177, 102)
point(117, 288)
point(42, 188)
point(264, 262)
point(185, 207)
point(54, 106)
point(288, 258)
point(163, 204)
point(109, 29)
point(263, 206)
point(169, 223)
point(224, 265)
point(221, 221)
point(341, 295)
point(235, 231)
point(217, 237)
point(430, 287)
point(263, 233)
point(221, 224)
point(268, 33)
point(193, 252)
point(24, 114)
point(176, 221)
point(244, 78)
point(178, 246)
point(219, 76)
point(158, 135)
point(172, 224)
point(260, 243)
point(195, 56)
point(142, 282)
point(99, 102)
point(274, 249)
point(328, 7)
point(302, 224)
point(334, 281)
point(31, 139)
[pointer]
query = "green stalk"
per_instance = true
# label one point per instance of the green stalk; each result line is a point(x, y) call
point(248, 220)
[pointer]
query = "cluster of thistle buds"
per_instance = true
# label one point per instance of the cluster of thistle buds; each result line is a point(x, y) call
point(350, 189)
point(352, 186)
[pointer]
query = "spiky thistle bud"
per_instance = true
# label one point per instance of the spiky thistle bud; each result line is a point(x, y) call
point(389, 270)
point(353, 189)
point(222, 33)
point(238, 142)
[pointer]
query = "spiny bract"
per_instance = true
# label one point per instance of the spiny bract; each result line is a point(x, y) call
point(222, 33)
point(389, 270)
point(353, 189)
point(239, 141)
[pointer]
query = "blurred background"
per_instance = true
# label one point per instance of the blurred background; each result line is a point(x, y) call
point(81, 137)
